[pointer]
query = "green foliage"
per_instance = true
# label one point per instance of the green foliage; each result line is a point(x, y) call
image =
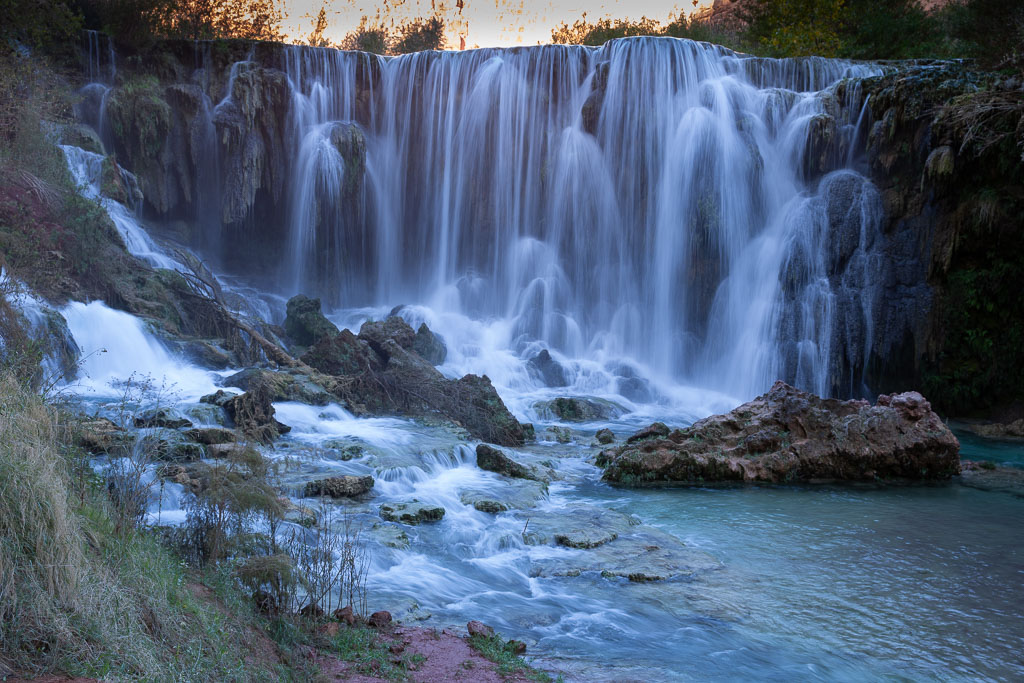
point(48, 25)
point(369, 36)
point(794, 28)
point(991, 31)
point(502, 653)
point(418, 35)
point(583, 32)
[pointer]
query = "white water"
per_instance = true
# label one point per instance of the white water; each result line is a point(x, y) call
point(116, 347)
point(87, 172)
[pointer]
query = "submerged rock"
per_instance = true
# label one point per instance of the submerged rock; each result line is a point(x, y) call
point(987, 476)
point(412, 512)
point(575, 409)
point(167, 445)
point(514, 494)
point(161, 417)
point(605, 436)
point(209, 436)
point(346, 486)
point(788, 435)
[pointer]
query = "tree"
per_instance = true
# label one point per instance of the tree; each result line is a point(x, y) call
point(793, 28)
point(583, 32)
point(316, 38)
point(417, 35)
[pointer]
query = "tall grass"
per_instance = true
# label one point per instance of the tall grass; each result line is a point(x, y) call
point(77, 596)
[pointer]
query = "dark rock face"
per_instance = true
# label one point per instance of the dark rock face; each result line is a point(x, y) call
point(347, 486)
point(788, 435)
point(575, 409)
point(253, 414)
point(429, 346)
point(305, 324)
point(340, 354)
point(549, 370)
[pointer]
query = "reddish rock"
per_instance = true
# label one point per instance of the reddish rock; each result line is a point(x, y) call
point(345, 615)
point(478, 628)
point(380, 619)
point(788, 435)
point(330, 629)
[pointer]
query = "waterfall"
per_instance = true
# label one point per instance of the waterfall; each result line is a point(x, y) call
point(655, 199)
point(662, 205)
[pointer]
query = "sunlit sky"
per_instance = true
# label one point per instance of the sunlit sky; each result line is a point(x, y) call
point(483, 23)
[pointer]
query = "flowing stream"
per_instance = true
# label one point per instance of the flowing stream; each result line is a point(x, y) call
point(678, 226)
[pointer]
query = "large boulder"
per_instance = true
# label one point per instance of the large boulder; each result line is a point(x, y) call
point(493, 460)
point(305, 324)
point(788, 435)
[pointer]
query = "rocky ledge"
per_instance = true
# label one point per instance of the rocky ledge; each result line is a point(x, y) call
point(788, 435)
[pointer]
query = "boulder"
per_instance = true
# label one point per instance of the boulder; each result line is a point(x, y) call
point(605, 436)
point(160, 417)
point(429, 346)
point(219, 398)
point(253, 414)
point(345, 615)
point(305, 324)
point(548, 370)
point(478, 628)
point(338, 355)
point(282, 386)
point(411, 512)
point(788, 435)
point(379, 619)
point(493, 460)
point(575, 409)
point(168, 445)
point(102, 436)
point(346, 486)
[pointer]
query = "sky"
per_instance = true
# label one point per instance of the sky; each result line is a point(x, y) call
point(483, 23)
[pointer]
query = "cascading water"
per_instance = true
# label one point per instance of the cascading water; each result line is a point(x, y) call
point(649, 201)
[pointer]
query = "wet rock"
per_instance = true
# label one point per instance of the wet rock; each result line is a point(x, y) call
point(478, 628)
point(429, 346)
point(390, 535)
point(788, 435)
point(282, 386)
point(207, 355)
point(338, 355)
point(219, 398)
point(548, 370)
point(297, 514)
point(346, 486)
point(575, 409)
point(514, 494)
point(101, 436)
point(493, 460)
point(987, 476)
point(605, 436)
point(253, 414)
point(614, 544)
point(560, 434)
point(657, 430)
point(82, 135)
point(305, 324)
point(379, 619)
point(632, 386)
point(167, 445)
point(161, 417)
point(995, 430)
point(345, 450)
point(209, 436)
point(393, 328)
point(412, 512)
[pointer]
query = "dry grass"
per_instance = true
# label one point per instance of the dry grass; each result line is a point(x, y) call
point(986, 119)
point(78, 597)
